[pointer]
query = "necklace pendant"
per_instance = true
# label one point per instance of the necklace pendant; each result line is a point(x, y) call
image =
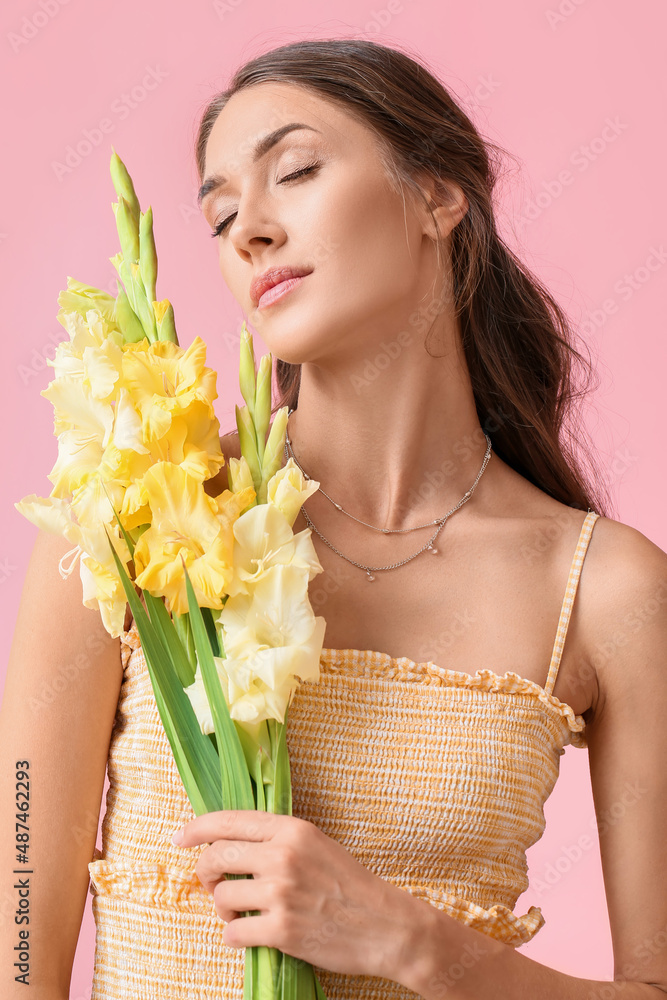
point(369, 576)
point(432, 548)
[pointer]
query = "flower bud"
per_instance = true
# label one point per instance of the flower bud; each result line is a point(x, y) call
point(248, 445)
point(128, 230)
point(275, 446)
point(142, 307)
point(147, 253)
point(262, 415)
point(247, 369)
point(122, 183)
point(164, 315)
point(127, 319)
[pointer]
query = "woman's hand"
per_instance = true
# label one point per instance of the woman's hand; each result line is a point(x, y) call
point(317, 902)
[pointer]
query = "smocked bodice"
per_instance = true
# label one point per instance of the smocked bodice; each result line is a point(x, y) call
point(434, 779)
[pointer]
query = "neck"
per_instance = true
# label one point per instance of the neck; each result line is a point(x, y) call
point(402, 451)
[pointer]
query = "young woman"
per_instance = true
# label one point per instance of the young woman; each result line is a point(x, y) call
point(431, 385)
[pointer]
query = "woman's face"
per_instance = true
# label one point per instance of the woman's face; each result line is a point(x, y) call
point(372, 263)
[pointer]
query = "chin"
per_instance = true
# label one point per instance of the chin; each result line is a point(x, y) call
point(301, 343)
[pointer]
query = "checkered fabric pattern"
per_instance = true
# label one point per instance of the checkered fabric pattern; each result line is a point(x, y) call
point(433, 778)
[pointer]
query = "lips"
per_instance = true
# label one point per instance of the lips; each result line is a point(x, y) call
point(272, 277)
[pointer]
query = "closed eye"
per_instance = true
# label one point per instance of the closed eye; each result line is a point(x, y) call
point(220, 228)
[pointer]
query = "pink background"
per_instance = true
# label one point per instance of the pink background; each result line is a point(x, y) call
point(541, 78)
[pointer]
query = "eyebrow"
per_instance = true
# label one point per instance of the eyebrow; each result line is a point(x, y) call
point(260, 149)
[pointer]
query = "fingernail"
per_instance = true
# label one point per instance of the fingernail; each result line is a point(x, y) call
point(177, 838)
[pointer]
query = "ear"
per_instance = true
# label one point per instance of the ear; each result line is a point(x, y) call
point(448, 203)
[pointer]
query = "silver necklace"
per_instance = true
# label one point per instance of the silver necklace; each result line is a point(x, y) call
point(441, 521)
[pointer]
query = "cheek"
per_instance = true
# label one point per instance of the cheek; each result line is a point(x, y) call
point(375, 247)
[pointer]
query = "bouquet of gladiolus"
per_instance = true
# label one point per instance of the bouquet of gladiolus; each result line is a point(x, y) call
point(217, 585)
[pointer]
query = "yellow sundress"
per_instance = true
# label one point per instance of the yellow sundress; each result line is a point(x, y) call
point(433, 778)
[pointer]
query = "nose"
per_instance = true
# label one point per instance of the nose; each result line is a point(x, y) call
point(253, 228)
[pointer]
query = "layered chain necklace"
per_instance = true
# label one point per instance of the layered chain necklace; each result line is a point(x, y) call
point(428, 547)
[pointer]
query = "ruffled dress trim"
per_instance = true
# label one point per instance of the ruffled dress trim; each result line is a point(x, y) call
point(497, 921)
point(169, 887)
point(371, 664)
point(155, 884)
point(129, 641)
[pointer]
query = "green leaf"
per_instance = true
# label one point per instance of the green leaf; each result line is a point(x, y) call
point(195, 756)
point(297, 979)
point(282, 780)
point(236, 785)
point(249, 746)
point(166, 630)
point(211, 630)
point(263, 972)
point(259, 781)
point(128, 540)
point(182, 626)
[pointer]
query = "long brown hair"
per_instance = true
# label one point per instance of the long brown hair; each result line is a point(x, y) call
point(516, 339)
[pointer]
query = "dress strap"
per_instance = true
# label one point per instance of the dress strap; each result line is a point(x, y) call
point(568, 600)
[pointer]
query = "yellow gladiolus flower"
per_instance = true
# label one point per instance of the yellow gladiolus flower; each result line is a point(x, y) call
point(50, 514)
point(288, 489)
point(250, 704)
point(264, 538)
point(92, 502)
point(123, 465)
point(186, 527)
point(97, 367)
point(76, 408)
point(135, 509)
point(92, 330)
point(272, 642)
point(193, 441)
point(127, 425)
point(102, 586)
point(238, 474)
point(83, 425)
point(80, 298)
point(164, 381)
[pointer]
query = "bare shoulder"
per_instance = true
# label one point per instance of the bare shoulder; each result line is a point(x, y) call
point(625, 589)
point(627, 742)
point(624, 563)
